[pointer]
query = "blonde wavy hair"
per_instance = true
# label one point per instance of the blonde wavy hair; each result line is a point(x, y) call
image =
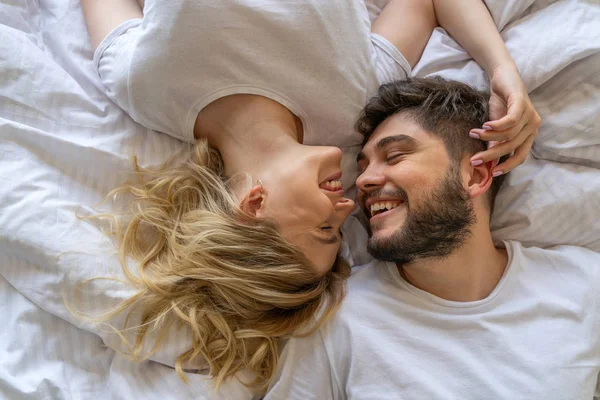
point(232, 279)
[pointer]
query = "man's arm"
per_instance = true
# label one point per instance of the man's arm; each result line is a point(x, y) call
point(102, 16)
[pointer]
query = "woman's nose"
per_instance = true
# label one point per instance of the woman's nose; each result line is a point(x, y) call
point(334, 154)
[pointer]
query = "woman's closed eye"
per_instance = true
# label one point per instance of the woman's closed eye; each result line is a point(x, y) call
point(331, 230)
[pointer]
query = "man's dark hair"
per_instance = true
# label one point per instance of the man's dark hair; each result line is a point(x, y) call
point(447, 109)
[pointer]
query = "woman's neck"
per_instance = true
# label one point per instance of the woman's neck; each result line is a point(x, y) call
point(248, 130)
point(241, 115)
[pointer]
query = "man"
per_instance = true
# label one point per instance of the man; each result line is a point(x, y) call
point(445, 313)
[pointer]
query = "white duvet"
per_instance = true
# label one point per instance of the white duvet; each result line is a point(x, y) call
point(64, 145)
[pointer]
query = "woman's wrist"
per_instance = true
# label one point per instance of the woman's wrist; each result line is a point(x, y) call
point(504, 64)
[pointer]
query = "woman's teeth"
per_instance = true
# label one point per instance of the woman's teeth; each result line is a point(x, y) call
point(332, 185)
point(379, 207)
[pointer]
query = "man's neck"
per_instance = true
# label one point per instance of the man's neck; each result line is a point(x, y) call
point(469, 274)
point(248, 131)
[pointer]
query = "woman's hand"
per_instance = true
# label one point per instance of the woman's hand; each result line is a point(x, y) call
point(514, 122)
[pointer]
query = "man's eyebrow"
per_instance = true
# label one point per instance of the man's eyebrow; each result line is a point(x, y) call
point(330, 240)
point(395, 139)
point(408, 140)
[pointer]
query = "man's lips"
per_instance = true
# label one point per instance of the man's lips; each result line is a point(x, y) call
point(376, 206)
point(384, 214)
point(372, 200)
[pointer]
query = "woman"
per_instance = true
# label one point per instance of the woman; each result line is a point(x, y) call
point(238, 244)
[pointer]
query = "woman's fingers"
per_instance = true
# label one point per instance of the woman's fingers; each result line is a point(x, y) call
point(523, 142)
point(516, 126)
point(516, 110)
point(499, 136)
point(516, 159)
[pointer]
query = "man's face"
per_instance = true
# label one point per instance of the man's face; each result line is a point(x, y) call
point(412, 193)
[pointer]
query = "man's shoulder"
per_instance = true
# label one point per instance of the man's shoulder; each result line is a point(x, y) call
point(368, 276)
point(564, 262)
point(558, 255)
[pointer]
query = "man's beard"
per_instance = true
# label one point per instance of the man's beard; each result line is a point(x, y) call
point(436, 229)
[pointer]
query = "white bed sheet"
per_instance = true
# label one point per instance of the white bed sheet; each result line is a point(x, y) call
point(64, 145)
point(45, 357)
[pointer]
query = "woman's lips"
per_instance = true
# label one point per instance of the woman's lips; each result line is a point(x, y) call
point(332, 183)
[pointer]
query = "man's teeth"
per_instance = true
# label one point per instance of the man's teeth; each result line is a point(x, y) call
point(383, 206)
point(332, 185)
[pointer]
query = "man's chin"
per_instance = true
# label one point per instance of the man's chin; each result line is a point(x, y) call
point(384, 228)
point(382, 233)
point(383, 245)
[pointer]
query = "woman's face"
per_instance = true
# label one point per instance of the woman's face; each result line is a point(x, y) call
point(305, 197)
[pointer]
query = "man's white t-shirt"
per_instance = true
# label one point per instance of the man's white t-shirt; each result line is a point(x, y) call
point(535, 337)
point(317, 58)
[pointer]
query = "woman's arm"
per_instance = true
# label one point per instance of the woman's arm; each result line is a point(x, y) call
point(470, 24)
point(514, 121)
point(102, 16)
point(408, 24)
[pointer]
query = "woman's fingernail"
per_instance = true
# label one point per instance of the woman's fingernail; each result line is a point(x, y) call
point(497, 173)
point(476, 162)
point(474, 135)
point(487, 127)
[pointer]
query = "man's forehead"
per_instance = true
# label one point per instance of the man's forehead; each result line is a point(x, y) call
point(403, 123)
point(398, 128)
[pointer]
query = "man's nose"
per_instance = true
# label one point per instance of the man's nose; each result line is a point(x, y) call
point(370, 180)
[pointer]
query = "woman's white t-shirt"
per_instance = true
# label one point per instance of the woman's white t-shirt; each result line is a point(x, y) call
point(317, 58)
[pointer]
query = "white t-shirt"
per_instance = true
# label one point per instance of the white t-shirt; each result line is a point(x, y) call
point(535, 337)
point(317, 58)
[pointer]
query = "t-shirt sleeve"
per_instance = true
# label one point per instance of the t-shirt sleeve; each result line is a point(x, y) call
point(304, 373)
point(112, 60)
point(389, 63)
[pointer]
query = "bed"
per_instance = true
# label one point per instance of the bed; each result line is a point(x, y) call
point(64, 145)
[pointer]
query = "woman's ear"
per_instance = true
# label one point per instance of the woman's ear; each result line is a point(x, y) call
point(254, 200)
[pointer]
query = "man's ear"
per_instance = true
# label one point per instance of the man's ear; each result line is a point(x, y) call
point(254, 200)
point(480, 178)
